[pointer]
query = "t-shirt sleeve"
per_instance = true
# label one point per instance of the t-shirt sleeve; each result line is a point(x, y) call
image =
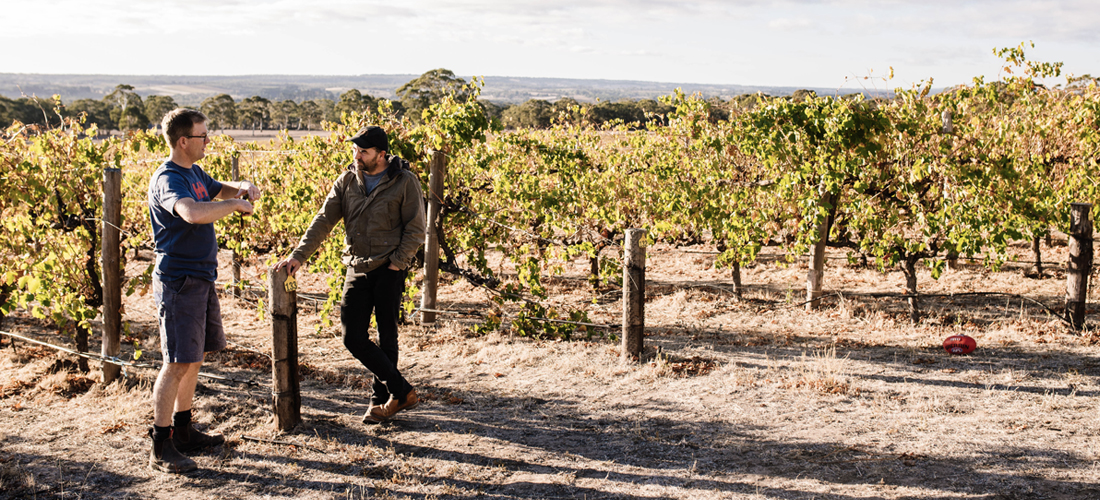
point(170, 189)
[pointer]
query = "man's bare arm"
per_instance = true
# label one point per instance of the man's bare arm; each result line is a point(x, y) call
point(205, 212)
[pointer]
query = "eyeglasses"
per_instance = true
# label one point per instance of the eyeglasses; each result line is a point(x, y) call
point(204, 137)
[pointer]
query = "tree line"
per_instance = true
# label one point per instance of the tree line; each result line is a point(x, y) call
point(124, 109)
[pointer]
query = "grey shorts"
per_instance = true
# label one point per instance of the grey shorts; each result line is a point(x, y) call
point(190, 319)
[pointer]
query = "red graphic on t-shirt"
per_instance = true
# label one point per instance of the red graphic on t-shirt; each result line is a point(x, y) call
point(200, 192)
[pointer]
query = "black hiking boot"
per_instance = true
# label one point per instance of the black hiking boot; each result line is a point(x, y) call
point(165, 457)
point(188, 438)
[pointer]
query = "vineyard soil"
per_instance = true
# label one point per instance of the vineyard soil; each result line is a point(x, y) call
point(748, 399)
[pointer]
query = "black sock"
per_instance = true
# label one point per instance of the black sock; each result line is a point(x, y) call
point(181, 419)
point(161, 433)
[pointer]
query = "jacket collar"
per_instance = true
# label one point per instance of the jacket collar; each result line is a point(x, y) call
point(396, 165)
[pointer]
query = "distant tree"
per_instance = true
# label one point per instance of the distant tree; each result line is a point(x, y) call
point(253, 112)
point(95, 112)
point(310, 115)
point(719, 110)
point(127, 110)
point(353, 101)
point(746, 102)
point(328, 110)
point(398, 108)
point(493, 111)
point(656, 111)
point(220, 111)
point(535, 113)
point(803, 94)
point(568, 108)
point(284, 112)
point(156, 106)
point(429, 88)
point(624, 110)
point(23, 110)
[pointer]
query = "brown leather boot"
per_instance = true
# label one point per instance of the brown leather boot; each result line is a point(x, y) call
point(367, 419)
point(189, 438)
point(165, 457)
point(379, 414)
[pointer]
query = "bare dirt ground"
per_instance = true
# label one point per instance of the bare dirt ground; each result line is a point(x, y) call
point(747, 399)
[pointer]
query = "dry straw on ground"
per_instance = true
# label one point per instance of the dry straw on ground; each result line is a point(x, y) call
point(747, 399)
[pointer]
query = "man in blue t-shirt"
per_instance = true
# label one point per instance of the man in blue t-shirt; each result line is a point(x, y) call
point(183, 209)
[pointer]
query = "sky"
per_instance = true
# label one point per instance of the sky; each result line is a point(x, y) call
point(797, 43)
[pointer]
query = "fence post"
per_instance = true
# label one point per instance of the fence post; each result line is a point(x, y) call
point(112, 279)
point(431, 241)
point(284, 346)
point(235, 290)
point(1080, 263)
point(633, 294)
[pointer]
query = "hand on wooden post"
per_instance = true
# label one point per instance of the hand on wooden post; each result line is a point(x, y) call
point(290, 263)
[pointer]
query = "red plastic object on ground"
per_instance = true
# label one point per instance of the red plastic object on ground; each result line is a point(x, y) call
point(960, 344)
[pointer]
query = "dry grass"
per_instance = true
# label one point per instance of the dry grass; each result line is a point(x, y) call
point(747, 399)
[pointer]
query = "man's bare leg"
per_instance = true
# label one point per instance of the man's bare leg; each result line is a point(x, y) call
point(185, 396)
point(167, 390)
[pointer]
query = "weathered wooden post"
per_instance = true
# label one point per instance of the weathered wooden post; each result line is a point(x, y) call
point(235, 290)
point(633, 294)
point(1080, 263)
point(112, 279)
point(817, 253)
point(283, 305)
point(431, 241)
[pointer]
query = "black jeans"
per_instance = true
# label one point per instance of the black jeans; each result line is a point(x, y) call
point(379, 291)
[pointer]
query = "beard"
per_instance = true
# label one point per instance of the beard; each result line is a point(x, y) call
point(380, 161)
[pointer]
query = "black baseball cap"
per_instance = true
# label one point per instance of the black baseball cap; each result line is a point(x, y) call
point(371, 137)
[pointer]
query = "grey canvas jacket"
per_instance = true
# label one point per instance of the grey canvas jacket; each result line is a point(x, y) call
point(383, 227)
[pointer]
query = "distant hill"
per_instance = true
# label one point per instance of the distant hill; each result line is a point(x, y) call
point(191, 90)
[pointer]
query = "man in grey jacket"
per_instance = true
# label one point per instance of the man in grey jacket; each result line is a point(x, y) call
point(380, 200)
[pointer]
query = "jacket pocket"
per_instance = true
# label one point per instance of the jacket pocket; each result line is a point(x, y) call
point(385, 243)
point(357, 244)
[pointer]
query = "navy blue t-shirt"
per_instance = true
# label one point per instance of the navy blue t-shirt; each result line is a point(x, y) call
point(182, 249)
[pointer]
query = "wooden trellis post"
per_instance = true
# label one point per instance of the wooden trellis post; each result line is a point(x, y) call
point(633, 294)
point(1080, 263)
point(235, 290)
point(112, 279)
point(283, 306)
point(431, 241)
